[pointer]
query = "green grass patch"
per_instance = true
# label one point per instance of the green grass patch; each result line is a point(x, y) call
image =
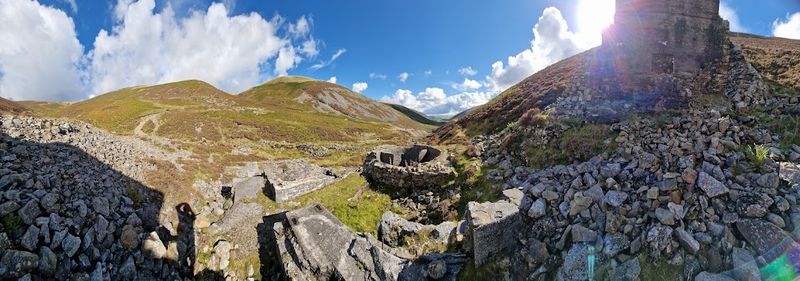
point(472, 181)
point(658, 270)
point(240, 265)
point(360, 213)
point(788, 127)
point(575, 144)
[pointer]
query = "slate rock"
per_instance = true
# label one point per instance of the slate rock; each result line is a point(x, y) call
point(711, 186)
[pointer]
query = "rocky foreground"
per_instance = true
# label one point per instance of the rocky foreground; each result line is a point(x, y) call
point(73, 207)
point(704, 191)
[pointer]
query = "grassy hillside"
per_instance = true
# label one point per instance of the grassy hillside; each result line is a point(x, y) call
point(10, 107)
point(777, 59)
point(304, 94)
point(290, 117)
point(536, 91)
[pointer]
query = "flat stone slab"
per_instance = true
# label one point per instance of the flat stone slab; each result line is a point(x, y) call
point(288, 179)
point(311, 244)
point(769, 240)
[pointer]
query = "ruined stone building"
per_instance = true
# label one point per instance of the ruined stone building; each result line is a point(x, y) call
point(677, 37)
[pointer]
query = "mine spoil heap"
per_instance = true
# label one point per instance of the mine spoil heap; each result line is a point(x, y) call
point(708, 191)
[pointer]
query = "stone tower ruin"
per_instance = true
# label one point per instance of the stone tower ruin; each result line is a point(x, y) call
point(674, 37)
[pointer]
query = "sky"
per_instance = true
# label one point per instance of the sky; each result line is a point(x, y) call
point(437, 56)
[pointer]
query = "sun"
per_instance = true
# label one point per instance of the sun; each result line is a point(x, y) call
point(595, 15)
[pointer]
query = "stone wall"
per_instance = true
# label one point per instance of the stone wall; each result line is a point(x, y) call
point(664, 37)
point(289, 179)
point(413, 168)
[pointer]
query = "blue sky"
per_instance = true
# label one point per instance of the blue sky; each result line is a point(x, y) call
point(377, 42)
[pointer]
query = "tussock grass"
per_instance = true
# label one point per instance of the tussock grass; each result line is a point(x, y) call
point(576, 144)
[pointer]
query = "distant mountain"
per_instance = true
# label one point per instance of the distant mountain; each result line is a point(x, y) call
point(417, 116)
point(288, 109)
point(307, 94)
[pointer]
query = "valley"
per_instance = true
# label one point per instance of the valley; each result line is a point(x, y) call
point(638, 159)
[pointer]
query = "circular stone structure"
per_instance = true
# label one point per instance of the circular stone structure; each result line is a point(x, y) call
point(413, 168)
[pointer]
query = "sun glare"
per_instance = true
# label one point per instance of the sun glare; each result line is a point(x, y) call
point(595, 15)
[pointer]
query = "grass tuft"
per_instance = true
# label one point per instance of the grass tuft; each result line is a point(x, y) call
point(757, 154)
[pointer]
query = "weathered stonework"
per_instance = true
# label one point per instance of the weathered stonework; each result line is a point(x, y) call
point(311, 244)
point(664, 36)
point(289, 179)
point(412, 168)
point(491, 229)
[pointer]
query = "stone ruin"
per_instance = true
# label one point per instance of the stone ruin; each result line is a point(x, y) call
point(311, 244)
point(656, 57)
point(413, 168)
point(288, 179)
point(676, 37)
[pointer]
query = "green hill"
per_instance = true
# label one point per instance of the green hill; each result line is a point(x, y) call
point(416, 115)
point(289, 117)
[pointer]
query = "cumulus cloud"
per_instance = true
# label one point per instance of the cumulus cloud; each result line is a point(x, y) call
point(428, 73)
point(323, 64)
point(468, 85)
point(377, 76)
point(332, 80)
point(467, 71)
point(144, 47)
point(359, 87)
point(39, 53)
point(403, 77)
point(788, 28)
point(148, 47)
point(435, 102)
point(727, 12)
point(552, 42)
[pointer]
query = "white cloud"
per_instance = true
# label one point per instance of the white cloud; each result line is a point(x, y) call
point(39, 53)
point(323, 64)
point(301, 28)
point(729, 14)
point(72, 5)
point(434, 101)
point(231, 52)
point(403, 77)
point(428, 73)
point(552, 42)
point(789, 28)
point(468, 85)
point(377, 76)
point(360, 87)
point(287, 59)
point(309, 48)
point(468, 71)
point(332, 80)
